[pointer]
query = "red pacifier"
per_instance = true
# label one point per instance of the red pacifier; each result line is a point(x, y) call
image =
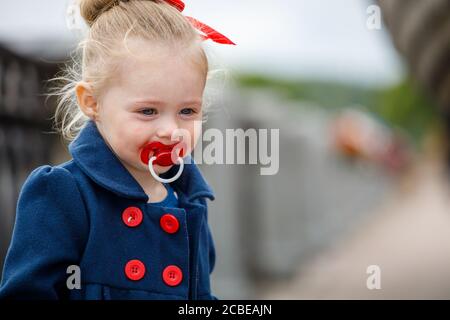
point(163, 155)
point(162, 152)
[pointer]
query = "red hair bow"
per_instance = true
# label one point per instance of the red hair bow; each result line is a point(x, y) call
point(209, 33)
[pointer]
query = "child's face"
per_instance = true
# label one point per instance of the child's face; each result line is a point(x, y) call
point(151, 100)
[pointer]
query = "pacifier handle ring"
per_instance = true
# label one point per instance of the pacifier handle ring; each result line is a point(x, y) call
point(158, 178)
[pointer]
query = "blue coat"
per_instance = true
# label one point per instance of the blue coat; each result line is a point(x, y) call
point(72, 214)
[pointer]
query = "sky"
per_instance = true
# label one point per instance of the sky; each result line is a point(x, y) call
point(321, 39)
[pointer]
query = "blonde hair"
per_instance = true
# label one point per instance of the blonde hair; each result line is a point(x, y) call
point(111, 23)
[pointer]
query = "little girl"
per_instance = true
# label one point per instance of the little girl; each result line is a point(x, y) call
point(126, 218)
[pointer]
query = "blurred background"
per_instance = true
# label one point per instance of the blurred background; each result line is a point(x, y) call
point(360, 91)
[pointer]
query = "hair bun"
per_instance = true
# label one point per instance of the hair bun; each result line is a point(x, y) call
point(90, 10)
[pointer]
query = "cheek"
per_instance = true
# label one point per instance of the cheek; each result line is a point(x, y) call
point(139, 136)
point(194, 131)
point(129, 139)
point(197, 132)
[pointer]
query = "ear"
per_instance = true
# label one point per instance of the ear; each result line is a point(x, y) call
point(86, 100)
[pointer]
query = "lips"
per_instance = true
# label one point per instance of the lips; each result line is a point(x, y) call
point(162, 152)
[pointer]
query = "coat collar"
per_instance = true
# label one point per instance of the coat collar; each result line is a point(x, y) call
point(96, 160)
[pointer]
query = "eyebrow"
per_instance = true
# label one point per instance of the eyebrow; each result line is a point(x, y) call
point(159, 102)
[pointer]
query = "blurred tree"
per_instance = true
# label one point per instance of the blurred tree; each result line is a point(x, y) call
point(421, 33)
point(403, 106)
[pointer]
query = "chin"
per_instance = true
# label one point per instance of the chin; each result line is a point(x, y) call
point(160, 169)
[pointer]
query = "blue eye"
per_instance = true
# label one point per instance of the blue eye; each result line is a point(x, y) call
point(148, 111)
point(187, 111)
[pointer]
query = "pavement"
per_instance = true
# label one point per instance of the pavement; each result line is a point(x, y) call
point(407, 237)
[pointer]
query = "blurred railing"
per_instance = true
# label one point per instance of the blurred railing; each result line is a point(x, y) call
point(267, 227)
point(23, 121)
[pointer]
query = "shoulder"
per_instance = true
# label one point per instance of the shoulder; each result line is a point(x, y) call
point(50, 232)
point(50, 208)
point(48, 178)
point(50, 189)
point(48, 172)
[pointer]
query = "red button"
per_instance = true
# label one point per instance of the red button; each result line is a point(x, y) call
point(172, 276)
point(132, 216)
point(135, 270)
point(169, 223)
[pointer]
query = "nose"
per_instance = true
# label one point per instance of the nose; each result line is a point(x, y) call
point(166, 126)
